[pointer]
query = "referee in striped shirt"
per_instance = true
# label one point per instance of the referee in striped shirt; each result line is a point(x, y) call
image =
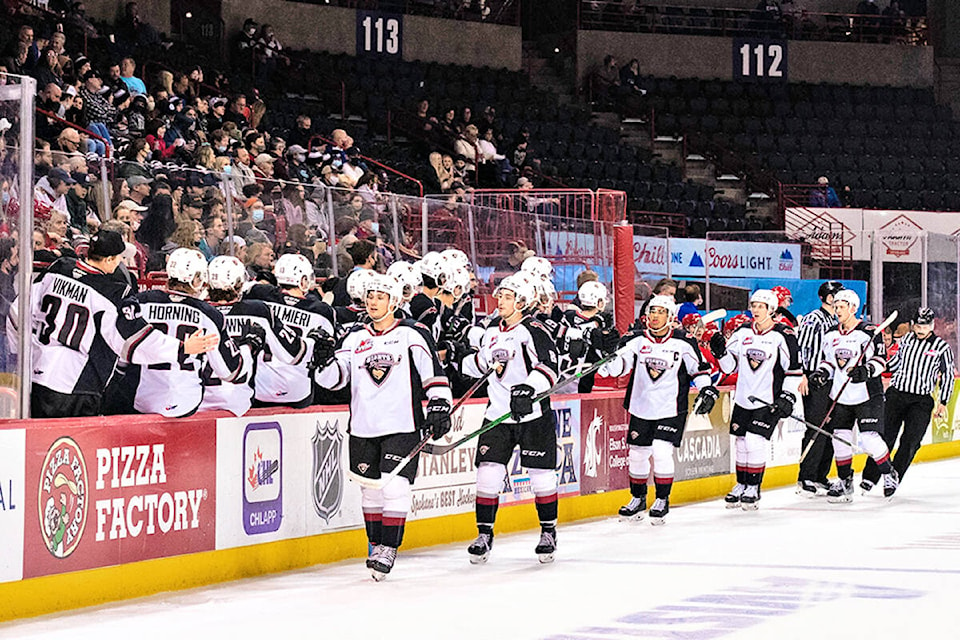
point(816, 402)
point(922, 361)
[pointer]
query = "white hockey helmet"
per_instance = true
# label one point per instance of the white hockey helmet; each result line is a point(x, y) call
point(186, 264)
point(663, 302)
point(432, 265)
point(767, 297)
point(385, 284)
point(357, 283)
point(456, 281)
point(226, 273)
point(593, 294)
point(523, 289)
point(409, 276)
point(291, 269)
point(849, 296)
point(545, 289)
point(456, 257)
point(537, 267)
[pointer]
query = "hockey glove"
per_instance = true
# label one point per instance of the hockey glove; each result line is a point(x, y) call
point(706, 399)
point(783, 404)
point(437, 419)
point(628, 336)
point(456, 352)
point(718, 345)
point(574, 343)
point(324, 348)
point(455, 329)
point(521, 401)
point(608, 340)
point(252, 335)
point(818, 379)
point(860, 373)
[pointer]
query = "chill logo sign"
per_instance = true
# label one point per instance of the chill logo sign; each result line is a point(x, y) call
point(63, 498)
point(262, 477)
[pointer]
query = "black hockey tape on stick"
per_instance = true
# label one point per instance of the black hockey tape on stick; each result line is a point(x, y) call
point(379, 483)
point(809, 424)
point(877, 330)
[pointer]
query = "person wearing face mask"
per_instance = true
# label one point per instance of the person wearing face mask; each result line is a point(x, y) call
point(214, 116)
point(297, 168)
point(245, 46)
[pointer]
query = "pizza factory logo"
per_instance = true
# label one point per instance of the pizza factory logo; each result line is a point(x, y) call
point(379, 366)
point(327, 471)
point(655, 367)
point(63, 497)
point(755, 358)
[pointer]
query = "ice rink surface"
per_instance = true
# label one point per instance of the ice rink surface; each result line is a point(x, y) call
point(796, 568)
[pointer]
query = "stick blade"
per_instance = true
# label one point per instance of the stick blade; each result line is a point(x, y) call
point(714, 315)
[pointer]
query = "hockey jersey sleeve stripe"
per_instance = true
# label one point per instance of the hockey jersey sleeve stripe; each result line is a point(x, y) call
point(134, 341)
point(435, 382)
point(547, 373)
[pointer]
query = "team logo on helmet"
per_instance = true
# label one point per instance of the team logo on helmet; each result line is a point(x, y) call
point(843, 357)
point(379, 366)
point(755, 358)
point(655, 367)
point(63, 497)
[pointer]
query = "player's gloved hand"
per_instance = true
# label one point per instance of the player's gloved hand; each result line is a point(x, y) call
point(818, 379)
point(521, 401)
point(456, 352)
point(609, 340)
point(324, 348)
point(574, 344)
point(437, 419)
point(783, 404)
point(859, 373)
point(252, 335)
point(455, 328)
point(628, 336)
point(718, 345)
point(706, 399)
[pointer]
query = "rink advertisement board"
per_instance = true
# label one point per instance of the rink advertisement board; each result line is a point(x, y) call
point(112, 494)
point(282, 477)
point(694, 257)
point(12, 511)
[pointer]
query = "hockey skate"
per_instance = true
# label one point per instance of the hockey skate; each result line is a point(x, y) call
point(807, 489)
point(634, 510)
point(890, 483)
point(866, 486)
point(733, 498)
point(750, 498)
point(659, 510)
point(479, 549)
point(841, 491)
point(383, 558)
point(372, 555)
point(547, 545)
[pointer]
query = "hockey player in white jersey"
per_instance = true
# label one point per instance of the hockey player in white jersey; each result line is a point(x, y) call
point(174, 389)
point(83, 320)
point(766, 356)
point(408, 274)
point(296, 304)
point(258, 333)
point(354, 314)
point(662, 362)
point(391, 367)
point(853, 358)
point(524, 360)
point(424, 307)
point(463, 306)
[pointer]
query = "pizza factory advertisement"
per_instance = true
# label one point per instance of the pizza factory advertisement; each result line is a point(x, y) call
point(101, 496)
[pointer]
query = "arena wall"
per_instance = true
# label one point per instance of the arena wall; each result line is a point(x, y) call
point(711, 57)
point(156, 504)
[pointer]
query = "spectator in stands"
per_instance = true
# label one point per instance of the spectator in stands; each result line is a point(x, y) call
point(17, 62)
point(245, 46)
point(98, 110)
point(136, 116)
point(23, 46)
point(441, 178)
point(242, 173)
point(630, 79)
point(466, 117)
point(823, 194)
point(77, 207)
point(894, 21)
point(292, 204)
point(47, 70)
point(156, 133)
point(297, 168)
point(69, 141)
point(128, 67)
point(606, 80)
point(301, 132)
point(269, 52)
point(237, 112)
point(260, 258)
point(134, 160)
point(213, 234)
point(692, 301)
point(133, 32)
point(769, 17)
point(215, 116)
point(48, 99)
point(494, 166)
point(140, 189)
point(263, 168)
point(466, 146)
point(158, 222)
point(447, 126)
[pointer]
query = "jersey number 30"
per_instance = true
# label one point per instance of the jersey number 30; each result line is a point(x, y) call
point(74, 326)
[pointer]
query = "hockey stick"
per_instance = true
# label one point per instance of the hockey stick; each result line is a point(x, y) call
point(439, 450)
point(809, 424)
point(379, 483)
point(713, 316)
point(878, 329)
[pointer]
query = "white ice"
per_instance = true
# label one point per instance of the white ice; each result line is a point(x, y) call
point(796, 568)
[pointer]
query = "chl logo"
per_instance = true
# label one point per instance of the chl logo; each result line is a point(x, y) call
point(843, 357)
point(756, 357)
point(655, 367)
point(63, 497)
point(379, 366)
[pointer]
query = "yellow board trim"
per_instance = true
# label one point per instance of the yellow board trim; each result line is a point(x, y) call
point(49, 594)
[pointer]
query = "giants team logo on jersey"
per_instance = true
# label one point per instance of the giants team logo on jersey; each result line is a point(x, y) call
point(755, 357)
point(63, 497)
point(655, 367)
point(500, 359)
point(843, 356)
point(379, 366)
point(327, 472)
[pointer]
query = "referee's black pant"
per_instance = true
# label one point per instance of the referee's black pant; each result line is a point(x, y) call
point(816, 466)
point(911, 411)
